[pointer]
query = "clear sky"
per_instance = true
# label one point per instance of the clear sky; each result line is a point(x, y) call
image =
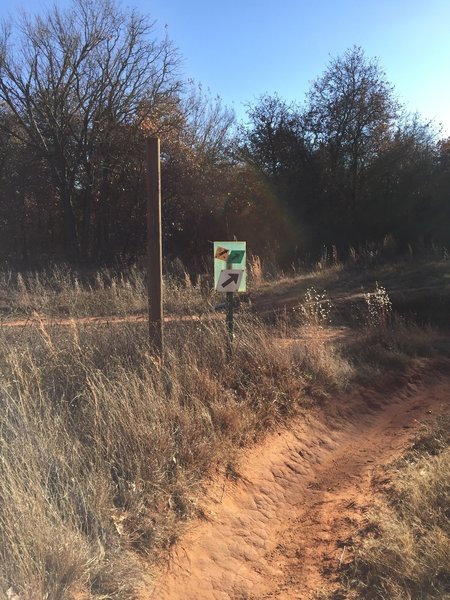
point(241, 49)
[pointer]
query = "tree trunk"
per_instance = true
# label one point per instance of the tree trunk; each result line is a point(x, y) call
point(71, 241)
point(71, 244)
point(86, 225)
point(23, 230)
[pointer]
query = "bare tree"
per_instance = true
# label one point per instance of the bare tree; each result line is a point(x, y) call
point(210, 125)
point(74, 80)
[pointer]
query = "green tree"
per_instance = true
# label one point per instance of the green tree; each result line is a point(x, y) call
point(272, 140)
point(350, 114)
point(273, 143)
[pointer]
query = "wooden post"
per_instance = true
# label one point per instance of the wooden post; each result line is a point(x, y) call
point(154, 246)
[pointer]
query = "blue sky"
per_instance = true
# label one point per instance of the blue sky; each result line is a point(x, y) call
point(241, 49)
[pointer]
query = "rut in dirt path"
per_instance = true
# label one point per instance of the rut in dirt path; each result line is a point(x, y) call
point(280, 530)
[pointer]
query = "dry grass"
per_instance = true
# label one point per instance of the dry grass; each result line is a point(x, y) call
point(61, 291)
point(404, 552)
point(103, 448)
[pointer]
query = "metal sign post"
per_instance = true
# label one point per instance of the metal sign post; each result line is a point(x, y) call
point(229, 317)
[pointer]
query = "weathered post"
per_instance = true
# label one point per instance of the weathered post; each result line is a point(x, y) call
point(154, 246)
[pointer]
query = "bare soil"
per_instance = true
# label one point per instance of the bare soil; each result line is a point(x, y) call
point(282, 525)
point(111, 320)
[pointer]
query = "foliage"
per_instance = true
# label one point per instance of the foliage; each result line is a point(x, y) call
point(74, 82)
point(379, 308)
point(350, 167)
point(405, 552)
point(316, 308)
point(81, 88)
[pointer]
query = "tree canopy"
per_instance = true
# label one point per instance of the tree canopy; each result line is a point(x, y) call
point(80, 89)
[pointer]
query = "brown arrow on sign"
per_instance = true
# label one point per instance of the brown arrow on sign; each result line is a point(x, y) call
point(222, 253)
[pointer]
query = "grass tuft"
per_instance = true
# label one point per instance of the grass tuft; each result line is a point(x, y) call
point(405, 549)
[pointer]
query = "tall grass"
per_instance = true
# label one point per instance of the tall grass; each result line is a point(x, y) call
point(405, 553)
point(63, 292)
point(103, 447)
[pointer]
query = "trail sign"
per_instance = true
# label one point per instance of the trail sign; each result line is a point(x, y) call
point(229, 277)
point(229, 280)
point(230, 256)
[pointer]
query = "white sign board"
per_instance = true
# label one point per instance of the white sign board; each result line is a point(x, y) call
point(229, 280)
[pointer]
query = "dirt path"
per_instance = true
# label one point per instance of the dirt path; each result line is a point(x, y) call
point(281, 529)
point(111, 320)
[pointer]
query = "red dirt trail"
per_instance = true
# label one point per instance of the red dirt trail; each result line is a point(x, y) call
point(283, 527)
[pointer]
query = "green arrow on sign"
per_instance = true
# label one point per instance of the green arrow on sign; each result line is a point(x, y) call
point(235, 257)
